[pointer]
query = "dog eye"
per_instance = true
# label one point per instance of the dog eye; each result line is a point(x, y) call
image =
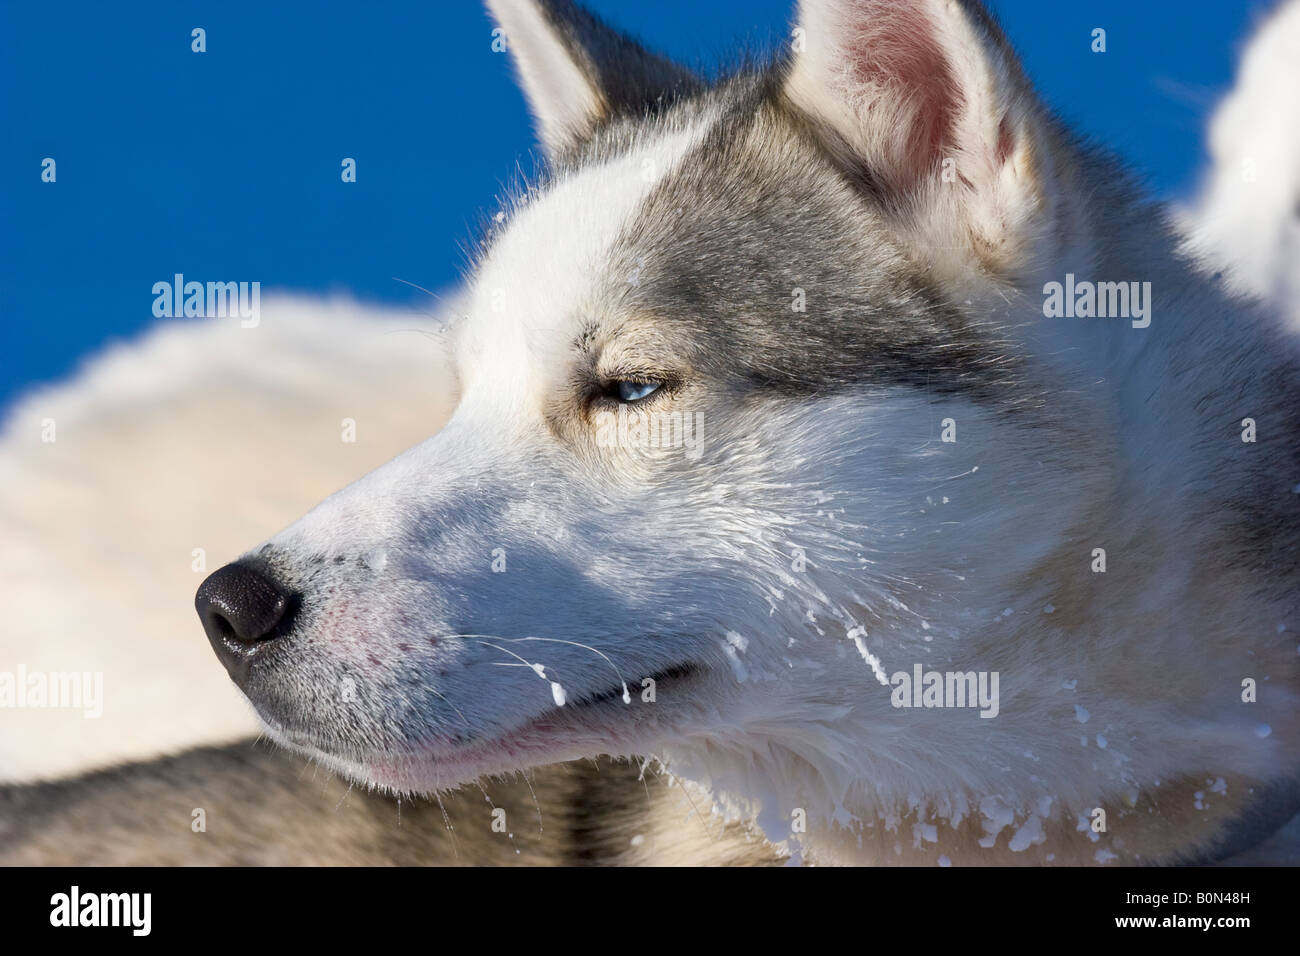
point(629, 391)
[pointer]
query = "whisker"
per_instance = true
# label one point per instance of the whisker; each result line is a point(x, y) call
point(527, 780)
point(527, 664)
point(346, 793)
point(557, 689)
point(627, 698)
point(509, 832)
point(414, 286)
point(447, 822)
point(435, 334)
point(691, 801)
point(452, 706)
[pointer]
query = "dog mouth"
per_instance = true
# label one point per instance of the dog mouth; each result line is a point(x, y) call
point(669, 675)
point(617, 720)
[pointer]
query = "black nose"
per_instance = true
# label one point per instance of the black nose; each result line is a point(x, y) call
point(243, 609)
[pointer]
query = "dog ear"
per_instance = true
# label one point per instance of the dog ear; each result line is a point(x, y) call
point(578, 73)
point(928, 104)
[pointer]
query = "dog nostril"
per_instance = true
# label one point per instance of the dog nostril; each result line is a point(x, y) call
point(242, 608)
point(219, 624)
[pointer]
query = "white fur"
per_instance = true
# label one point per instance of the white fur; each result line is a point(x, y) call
point(201, 434)
point(564, 103)
point(1247, 215)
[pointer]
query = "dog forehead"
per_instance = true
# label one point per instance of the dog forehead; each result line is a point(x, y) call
point(558, 264)
point(733, 235)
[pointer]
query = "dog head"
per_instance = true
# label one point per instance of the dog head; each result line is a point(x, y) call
point(752, 415)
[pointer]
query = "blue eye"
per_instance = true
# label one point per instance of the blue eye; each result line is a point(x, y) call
point(634, 391)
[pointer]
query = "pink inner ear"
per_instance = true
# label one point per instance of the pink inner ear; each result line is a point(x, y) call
point(897, 53)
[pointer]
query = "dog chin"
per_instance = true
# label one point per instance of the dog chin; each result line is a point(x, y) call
point(411, 772)
point(571, 733)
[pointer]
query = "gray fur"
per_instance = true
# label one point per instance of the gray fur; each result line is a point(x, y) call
point(268, 808)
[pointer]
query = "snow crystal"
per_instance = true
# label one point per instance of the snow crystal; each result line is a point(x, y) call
point(997, 816)
point(1029, 834)
point(1081, 713)
point(730, 646)
point(859, 635)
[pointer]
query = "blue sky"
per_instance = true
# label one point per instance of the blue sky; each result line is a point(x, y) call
point(225, 165)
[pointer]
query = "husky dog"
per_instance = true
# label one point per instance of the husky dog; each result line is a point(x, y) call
point(909, 483)
point(1248, 214)
point(149, 461)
